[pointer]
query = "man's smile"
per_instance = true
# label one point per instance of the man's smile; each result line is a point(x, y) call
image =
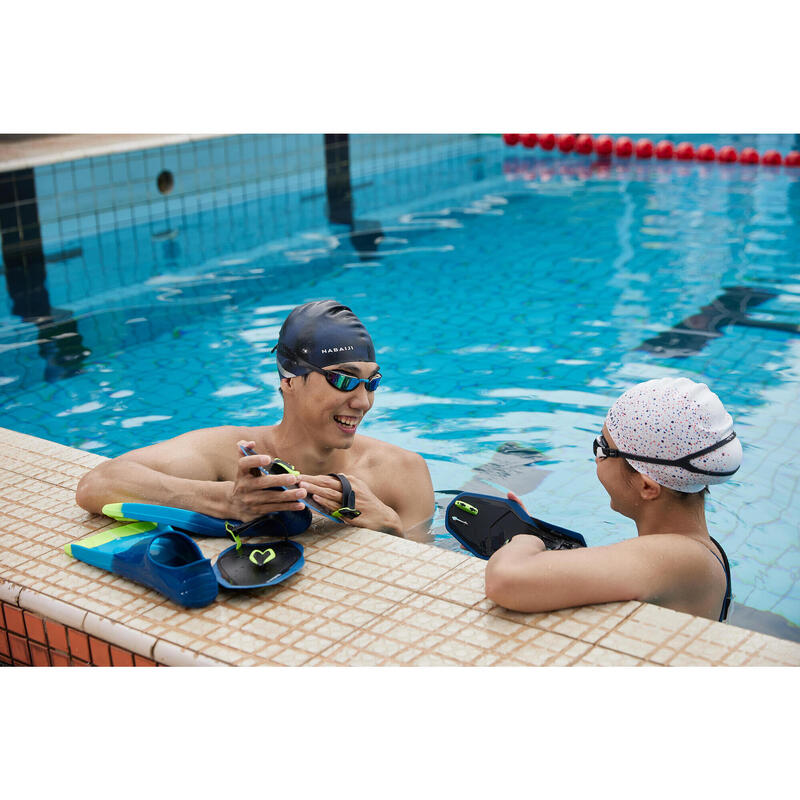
point(346, 423)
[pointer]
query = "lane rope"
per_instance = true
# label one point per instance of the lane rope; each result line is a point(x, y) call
point(643, 149)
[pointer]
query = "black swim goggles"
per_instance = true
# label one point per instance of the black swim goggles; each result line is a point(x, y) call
point(340, 381)
point(601, 444)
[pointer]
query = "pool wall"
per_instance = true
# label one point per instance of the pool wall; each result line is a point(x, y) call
point(362, 598)
point(84, 239)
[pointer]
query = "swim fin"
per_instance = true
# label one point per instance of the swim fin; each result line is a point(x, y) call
point(161, 558)
point(279, 523)
point(483, 524)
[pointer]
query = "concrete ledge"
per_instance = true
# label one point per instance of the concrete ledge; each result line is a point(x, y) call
point(19, 153)
point(363, 598)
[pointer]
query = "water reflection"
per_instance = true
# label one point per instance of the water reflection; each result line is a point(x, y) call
point(59, 342)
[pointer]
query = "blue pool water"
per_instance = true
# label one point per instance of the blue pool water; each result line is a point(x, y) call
point(512, 296)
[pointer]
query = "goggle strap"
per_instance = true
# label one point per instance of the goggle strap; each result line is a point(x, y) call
point(682, 463)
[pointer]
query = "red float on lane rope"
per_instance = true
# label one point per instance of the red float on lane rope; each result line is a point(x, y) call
point(547, 141)
point(604, 145)
point(624, 147)
point(665, 149)
point(705, 153)
point(584, 144)
point(644, 148)
point(566, 142)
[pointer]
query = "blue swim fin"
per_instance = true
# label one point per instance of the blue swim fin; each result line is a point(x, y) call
point(156, 556)
point(280, 523)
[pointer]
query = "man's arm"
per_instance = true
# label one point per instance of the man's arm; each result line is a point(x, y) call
point(403, 483)
point(181, 472)
point(522, 576)
point(188, 472)
point(413, 492)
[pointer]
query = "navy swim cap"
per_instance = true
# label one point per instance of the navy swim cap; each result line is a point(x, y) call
point(321, 333)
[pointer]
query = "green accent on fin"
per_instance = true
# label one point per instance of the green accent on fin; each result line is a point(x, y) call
point(114, 510)
point(466, 507)
point(103, 537)
point(269, 553)
point(235, 536)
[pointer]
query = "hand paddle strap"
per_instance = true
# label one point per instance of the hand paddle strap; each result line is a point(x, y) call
point(348, 509)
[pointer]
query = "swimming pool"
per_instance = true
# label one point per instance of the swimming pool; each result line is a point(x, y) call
point(512, 296)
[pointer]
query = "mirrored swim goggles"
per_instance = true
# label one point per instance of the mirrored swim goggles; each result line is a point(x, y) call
point(340, 381)
point(347, 383)
point(601, 444)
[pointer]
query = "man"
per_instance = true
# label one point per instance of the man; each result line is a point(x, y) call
point(326, 360)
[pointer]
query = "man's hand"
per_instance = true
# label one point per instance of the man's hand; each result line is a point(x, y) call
point(254, 494)
point(326, 491)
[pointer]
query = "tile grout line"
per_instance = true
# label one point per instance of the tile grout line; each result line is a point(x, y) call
point(598, 642)
point(577, 638)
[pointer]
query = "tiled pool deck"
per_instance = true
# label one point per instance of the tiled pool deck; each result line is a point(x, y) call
point(362, 598)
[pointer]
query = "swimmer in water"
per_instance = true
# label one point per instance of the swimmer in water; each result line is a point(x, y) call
point(663, 442)
point(326, 360)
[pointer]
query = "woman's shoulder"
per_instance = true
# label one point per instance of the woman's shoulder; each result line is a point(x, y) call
point(679, 549)
point(689, 573)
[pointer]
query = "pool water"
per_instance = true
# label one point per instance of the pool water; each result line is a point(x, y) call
point(508, 311)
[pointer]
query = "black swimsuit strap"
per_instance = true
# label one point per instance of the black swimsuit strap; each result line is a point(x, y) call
point(726, 566)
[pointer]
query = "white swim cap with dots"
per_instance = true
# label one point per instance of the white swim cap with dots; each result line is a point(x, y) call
point(671, 418)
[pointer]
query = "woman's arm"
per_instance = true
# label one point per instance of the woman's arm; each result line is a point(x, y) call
point(522, 576)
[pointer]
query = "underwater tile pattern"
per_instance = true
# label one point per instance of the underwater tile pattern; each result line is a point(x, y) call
point(362, 598)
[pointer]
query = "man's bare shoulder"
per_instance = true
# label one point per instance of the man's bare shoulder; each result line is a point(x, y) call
point(201, 454)
point(399, 477)
point(374, 453)
point(203, 439)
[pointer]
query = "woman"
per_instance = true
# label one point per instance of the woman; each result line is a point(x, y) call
point(663, 442)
